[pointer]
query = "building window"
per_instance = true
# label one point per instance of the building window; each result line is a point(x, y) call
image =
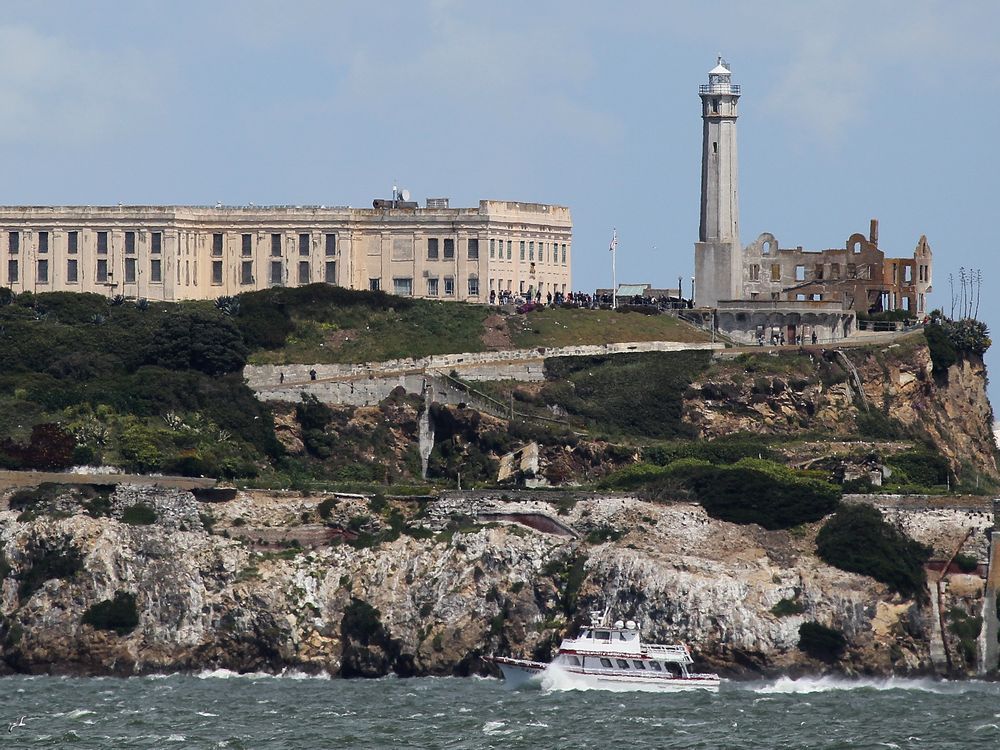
point(11, 271)
point(493, 247)
point(449, 286)
point(432, 248)
point(473, 249)
point(449, 249)
point(72, 274)
point(102, 243)
point(374, 285)
point(155, 271)
point(403, 287)
point(43, 242)
point(102, 271)
point(531, 251)
point(834, 270)
point(432, 287)
point(330, 273)
point(130, 270)
point(754, 272)
point(246, 272)
point(72, 242)
point(43, 272)
point(775, 295)
point(776, 272)
point(217, 271)
point(522, 249)
point(819, 272)
point(510, 249)
point(130, 243)
point(155, 243)
point(331, 244)
point(276, 245)
point(303, 270)
point(473, 286)
point(276, 272)
point(217, 249)
point(14, 242)
point(852, 271)
point(246, 248)
point(564, 255)
point(304, 245)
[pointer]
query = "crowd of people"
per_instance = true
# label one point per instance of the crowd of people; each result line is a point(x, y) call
point(581, 299)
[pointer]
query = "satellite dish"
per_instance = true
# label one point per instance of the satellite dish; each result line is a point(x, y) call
point(404, 194)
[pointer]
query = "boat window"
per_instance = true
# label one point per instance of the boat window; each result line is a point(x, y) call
point(606, 663)
point(585, 634)
point(623, 663)
point(639, 664)
point(574, 661)
point(603, 635)
point(655, 665)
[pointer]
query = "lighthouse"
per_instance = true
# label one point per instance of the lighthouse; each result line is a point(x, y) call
point(718, 266)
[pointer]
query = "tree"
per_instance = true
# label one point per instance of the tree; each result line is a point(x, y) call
point(197, 341)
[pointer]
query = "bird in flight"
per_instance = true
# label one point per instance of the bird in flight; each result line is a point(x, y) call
point(15, 724)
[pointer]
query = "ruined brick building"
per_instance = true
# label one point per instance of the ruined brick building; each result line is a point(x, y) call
point(764, 285)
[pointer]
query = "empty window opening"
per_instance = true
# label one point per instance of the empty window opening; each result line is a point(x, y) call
point(715, 147)
point(800, 273)
point(907, 274)
point(819, 271)
point(754, 272)
point(776, 272)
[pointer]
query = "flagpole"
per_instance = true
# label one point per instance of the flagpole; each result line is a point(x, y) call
point(614, 278)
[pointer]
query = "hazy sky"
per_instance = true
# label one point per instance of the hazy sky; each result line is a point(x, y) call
point(850, 110)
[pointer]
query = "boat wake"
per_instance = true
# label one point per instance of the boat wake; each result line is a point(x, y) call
point(788, 685)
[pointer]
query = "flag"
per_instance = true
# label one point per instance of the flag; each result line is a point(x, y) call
point(614, 241)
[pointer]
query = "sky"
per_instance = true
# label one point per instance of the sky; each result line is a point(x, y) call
point(850, 111)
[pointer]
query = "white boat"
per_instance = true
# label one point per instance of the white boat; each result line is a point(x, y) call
point(612, 657)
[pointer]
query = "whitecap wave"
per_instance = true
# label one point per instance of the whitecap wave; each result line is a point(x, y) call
point(802, 685)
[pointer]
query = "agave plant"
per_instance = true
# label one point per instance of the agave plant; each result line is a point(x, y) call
point(97, 319)
point(228, 305)
point(117, 301)
point(142, 303)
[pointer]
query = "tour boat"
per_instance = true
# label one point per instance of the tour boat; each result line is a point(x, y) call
point(612, 657)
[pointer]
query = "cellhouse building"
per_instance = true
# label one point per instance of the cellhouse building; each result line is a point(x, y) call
point(202, 252)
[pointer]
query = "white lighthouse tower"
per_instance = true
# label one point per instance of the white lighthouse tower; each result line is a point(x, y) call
point(718, 266)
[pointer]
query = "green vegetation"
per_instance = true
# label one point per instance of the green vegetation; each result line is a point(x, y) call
point(858, 540)
point(60, 560)
point(821, 642)
point(634, 394)
point(919, 466)
point(967, 563)
point(966, 628)
point(572, 327)
point(118, 614)
point(568, 574)
point(139, 514)
point(948, 339)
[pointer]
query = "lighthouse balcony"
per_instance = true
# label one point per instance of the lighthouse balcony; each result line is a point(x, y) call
point(720, 88)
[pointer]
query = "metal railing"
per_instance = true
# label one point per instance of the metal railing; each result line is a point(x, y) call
point(719, 88)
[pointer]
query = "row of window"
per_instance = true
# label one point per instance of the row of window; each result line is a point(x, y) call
point(547, 252)
point(73, 271)
point(819, 273)
point(624, 664)
point(73, 243)
point(403, 286)
point(247, 244)
point(276, 272)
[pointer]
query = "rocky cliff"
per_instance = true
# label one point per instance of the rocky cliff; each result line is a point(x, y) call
point(420, 590)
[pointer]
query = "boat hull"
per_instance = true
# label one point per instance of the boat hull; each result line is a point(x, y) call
point(518, 672)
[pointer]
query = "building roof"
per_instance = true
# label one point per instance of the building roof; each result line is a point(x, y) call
point(720, 70)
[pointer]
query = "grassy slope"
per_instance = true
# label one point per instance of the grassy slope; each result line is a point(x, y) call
point(427, 327)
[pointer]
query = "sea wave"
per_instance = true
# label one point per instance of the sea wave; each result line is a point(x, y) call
point(789, 685)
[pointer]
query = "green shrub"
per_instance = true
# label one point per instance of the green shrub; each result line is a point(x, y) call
point(788, 607)
point(61, 560)
point(118, 614)
point(921, 466)
point(967, 563)
point(723, 450)
point(755, 491)
point(139, 514)
point(966, 628)
point(875, 424)
point(943, 354)
point(326, 507)
point(821, 642)
point(858, 540)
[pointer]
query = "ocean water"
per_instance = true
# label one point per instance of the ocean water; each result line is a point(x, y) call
point(258, 712)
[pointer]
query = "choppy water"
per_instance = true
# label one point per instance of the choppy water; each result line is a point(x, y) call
point(223, 710)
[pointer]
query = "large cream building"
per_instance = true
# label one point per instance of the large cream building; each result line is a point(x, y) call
point(191, 252)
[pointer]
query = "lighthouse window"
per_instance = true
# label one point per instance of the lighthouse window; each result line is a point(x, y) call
point(715, 147)
point(715, 105)
point(606, 663)
point(623, 663)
